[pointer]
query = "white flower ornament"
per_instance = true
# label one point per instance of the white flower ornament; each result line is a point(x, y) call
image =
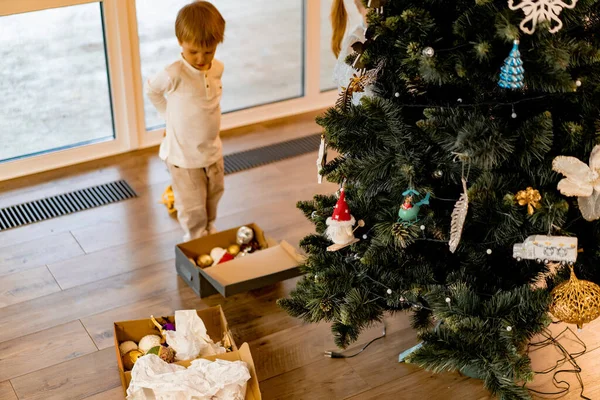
point(541, 10)
point(582, 181)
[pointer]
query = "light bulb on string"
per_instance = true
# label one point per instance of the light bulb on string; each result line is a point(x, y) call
point(428, 52)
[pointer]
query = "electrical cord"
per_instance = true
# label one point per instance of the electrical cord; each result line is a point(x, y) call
point(568, 358)
point(335, 354)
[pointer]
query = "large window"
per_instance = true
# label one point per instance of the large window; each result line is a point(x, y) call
point(262, 52)
point(72, 72)
point(54, 85)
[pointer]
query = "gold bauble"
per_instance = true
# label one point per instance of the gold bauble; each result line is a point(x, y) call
point(204, 261)
point(576, 302)
point(130, 358)
point(234, 249)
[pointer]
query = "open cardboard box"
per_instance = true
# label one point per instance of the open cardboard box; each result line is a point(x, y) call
point(213, 318)
point(274, 263)
point(243, 354)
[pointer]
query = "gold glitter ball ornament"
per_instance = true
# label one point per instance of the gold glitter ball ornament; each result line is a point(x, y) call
point(130, 358)
point(204, 261)
point(576, 301)
point(529, 197)
point(234, 249)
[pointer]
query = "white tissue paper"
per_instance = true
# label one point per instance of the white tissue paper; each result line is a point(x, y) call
point(154, 379)
point(190, 339)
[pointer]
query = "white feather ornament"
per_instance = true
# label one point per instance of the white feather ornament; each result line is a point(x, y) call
point(321, 159)
point(459, 215)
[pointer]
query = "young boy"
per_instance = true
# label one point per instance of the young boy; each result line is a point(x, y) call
point(192, 146)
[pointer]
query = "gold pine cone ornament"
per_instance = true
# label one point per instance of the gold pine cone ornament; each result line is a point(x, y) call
point(576, 301)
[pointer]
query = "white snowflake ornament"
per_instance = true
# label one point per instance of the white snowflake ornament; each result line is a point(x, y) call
point(541, 10)
point(582, 181)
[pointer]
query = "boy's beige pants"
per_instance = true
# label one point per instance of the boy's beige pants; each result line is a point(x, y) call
point(197, 194)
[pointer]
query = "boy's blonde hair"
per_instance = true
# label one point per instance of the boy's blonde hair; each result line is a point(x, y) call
point(200, 23)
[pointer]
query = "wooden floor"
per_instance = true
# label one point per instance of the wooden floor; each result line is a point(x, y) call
point(64, 281)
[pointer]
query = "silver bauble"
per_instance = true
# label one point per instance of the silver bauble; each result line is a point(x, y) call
point(244, 235)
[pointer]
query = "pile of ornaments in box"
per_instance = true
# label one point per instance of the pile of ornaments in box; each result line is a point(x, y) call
point(149, 344)
point(188, 342)
point(246, 243)
point(176, 365)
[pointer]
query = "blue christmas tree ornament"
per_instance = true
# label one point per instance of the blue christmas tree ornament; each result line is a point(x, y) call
point(409, 211)
point(512, 72)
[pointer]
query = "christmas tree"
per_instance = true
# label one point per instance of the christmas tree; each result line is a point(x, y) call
point(450, 169)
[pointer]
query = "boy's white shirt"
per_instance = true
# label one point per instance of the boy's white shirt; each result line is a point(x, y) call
point(190, 102)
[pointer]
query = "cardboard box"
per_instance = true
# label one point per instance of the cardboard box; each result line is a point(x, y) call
point(213, 318)
point(274, 263)
point(243, 354)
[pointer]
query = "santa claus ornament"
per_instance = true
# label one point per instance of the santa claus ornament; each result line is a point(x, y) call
point(340, 225)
